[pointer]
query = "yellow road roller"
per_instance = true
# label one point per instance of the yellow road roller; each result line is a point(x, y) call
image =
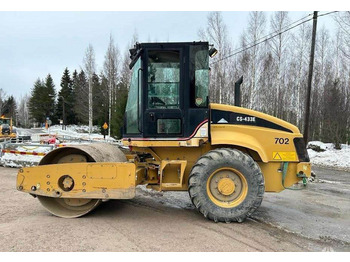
point(6, 128)
point(225, 156)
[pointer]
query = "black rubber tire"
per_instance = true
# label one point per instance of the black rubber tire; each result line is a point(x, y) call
point(219, 158)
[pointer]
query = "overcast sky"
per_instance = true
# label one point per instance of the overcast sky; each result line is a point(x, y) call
point(33, 44)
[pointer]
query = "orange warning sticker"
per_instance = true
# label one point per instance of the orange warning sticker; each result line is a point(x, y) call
point(284, 156)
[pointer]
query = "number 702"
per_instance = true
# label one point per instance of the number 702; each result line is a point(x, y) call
point(281, 141)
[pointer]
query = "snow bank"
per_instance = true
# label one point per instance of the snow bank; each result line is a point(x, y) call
point(331, 157)
point(74, 132)
point(18, 160)
point(76, 129)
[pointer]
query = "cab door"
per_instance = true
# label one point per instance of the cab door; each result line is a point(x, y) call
point(163, 100)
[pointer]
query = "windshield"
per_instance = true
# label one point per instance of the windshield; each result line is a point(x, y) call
point(163, 79)
point(134, 98)
point(4, 121)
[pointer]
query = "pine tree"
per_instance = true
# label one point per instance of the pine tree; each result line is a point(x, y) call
point(35, 103)
point(119, 111)
point(10, 107)
point(66, 96)
point(335, 128)
point(83, 102)
point(49, 97)
point(42, 101)
point(80, 93)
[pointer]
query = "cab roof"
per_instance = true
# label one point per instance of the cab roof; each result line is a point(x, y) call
point(136, 51)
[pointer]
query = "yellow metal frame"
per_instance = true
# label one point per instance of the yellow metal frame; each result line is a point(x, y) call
point(91, 180)
point(259, 139)
point(170, 163)
point(180, 173)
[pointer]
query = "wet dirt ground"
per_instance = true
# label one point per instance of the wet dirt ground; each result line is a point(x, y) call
point(314, 219)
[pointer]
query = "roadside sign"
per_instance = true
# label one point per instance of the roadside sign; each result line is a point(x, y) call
point(105, 126)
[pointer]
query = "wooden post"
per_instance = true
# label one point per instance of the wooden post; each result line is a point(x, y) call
point(309, 82)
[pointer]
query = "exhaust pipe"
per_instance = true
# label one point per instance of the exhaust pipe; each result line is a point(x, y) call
point(238, 91)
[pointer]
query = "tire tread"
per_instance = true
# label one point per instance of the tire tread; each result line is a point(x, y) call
point(196, 178)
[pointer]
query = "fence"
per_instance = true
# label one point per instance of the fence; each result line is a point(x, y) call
point(14, 154)
point(22, 154)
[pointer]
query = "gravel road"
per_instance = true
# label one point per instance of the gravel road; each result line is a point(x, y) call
point(315, 219)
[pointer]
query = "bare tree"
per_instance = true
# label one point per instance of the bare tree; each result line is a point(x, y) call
point(23, 111)
point(341, 75)
point(111, 70)
point(322, 73)
point(243, 62)
point(278, 45)
point(216, 33)
point(89, 65)
point(3, 98)
point(343, 21)
point(125, 72)
point(275, 71)
point(298, 66)
point(255, 31)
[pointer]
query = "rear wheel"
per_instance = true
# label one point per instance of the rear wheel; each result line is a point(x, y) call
point(226, 185)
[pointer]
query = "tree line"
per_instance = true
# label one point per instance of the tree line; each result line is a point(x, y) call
point(274, 70)
point(85, 97)
point(7, 105)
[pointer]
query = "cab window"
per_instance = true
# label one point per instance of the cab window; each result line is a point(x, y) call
point(4, 121)
point(132, 110)
point(199, 76)
point(163, 79)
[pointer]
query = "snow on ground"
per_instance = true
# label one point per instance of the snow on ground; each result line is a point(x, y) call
point(75, 132)
point(331, 157)
point(18, 160)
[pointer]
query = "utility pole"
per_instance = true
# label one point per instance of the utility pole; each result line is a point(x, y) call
point(309, 82)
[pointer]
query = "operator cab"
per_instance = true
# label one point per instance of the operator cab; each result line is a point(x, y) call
point(168, 95)
point(5, 125)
